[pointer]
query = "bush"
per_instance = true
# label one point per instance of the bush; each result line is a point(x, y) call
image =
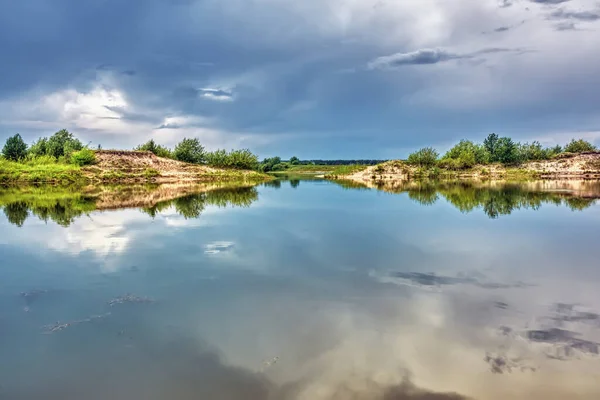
point(554, 151)
point(15, 148)
point(464, 155)
point(243, 159)
point(189, 150)
point(451, 164)
point(424, 157)
point(83, 157)
point(240, 159)
point(39, 148)
point(579, 146)
point(217, 158)
point(271, 164)
point(468, 154)
point(156, 149)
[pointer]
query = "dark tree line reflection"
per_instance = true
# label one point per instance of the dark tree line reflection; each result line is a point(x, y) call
point(192, 206)
point(63, 206)
point(496, 200)
point(61, 211)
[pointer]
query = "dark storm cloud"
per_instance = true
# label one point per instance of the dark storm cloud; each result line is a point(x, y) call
point(183, 371)
point(549, 1)
point(430, 279)
point(578, 15)
point(431, 56)
point(565, 26)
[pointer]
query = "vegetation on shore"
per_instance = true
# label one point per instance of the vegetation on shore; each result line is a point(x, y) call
point(494, 149)
point(498, 157)
point(63, 159)
point(295, 165)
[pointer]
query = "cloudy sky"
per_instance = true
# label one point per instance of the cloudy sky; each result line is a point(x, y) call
point(312, 78)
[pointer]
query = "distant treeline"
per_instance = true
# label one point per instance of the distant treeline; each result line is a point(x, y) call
point(341, 162)
point(275, 164)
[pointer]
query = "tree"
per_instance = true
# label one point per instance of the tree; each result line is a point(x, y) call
point(189, 150)
point(39, 148)
point(16, 213)
point(506, 151)
point(271, 164)
point(62, 143)
point(425, 157)
point(491, 145)
point(579, 146)
point(15, 148)
point(294, 161)
point(533, 151)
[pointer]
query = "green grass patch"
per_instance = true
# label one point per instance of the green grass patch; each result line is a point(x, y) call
point(40, 170)
point(341, 170)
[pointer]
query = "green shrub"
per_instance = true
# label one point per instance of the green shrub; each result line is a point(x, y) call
point(190, 151)
point(217, 158)
point(243, 159)
point(83, 157)
point(239, 159)
point(270, 164)
point(15, 148)
point(468, 154)
point(39, 148)
point(156, 149)
point(579, 146)
point(531, 152)
point(426, 156)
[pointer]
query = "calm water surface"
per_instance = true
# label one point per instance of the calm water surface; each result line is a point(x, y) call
point(304, 290)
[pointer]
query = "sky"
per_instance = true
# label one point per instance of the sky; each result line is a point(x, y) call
point(312, 78)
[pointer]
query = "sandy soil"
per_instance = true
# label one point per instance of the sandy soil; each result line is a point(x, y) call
point(139, 165)
point(584, 165)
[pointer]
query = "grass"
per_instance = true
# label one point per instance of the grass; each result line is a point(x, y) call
point(310, 169)
point(234, 176)
point(44, 170)
point(341, 170)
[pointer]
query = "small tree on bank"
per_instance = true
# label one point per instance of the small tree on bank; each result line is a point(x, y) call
point(62, 143)
point(579, 146)
point(155, 148)
point(425, 157)
point(15, 148)
point(190, 151)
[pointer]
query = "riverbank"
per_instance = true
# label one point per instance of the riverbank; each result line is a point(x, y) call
point(564, 166)
point(116, 166)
